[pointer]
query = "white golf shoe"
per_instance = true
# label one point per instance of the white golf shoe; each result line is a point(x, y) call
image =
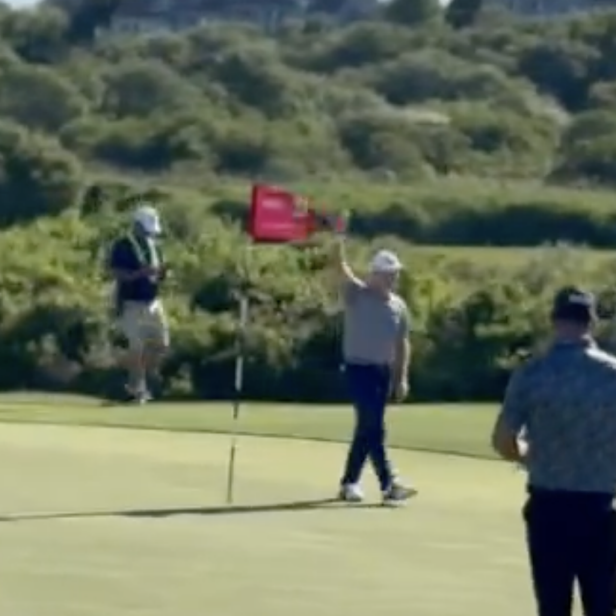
point(398, 493)
point(351, 493)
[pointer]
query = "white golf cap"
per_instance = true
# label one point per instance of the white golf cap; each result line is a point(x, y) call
point(385, 262)
point(147, 217)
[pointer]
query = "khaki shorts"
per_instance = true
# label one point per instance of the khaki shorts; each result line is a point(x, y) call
point(144, 324)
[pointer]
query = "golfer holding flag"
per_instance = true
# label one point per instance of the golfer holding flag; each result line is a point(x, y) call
point(376, 353)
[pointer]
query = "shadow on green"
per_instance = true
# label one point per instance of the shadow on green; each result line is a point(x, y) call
point(304, 505)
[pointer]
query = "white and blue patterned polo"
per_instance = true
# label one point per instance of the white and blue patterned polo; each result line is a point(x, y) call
point(565, 401)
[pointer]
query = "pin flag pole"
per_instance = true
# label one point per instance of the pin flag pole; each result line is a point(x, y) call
point(341, 229)
point(240, 349)
point(339, 225)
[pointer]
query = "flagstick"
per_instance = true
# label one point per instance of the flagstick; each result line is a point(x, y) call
point(240, 346)
point(256, 202)
point(341, 229)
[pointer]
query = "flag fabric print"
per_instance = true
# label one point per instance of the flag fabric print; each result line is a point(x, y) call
point(280, 216)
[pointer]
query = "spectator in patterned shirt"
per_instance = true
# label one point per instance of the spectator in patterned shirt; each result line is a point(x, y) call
point(565, 402)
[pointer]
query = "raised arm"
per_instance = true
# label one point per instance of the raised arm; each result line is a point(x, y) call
point(345, 275)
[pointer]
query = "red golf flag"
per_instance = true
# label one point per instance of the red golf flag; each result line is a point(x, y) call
point(280, 216)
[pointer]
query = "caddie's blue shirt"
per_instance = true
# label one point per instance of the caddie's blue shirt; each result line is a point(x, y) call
point(124, 257)
point(566, 402)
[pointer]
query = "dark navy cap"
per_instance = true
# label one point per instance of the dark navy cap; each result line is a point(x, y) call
point(574, 304)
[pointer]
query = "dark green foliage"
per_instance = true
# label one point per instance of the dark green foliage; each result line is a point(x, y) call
point(362, 44)
point(87, 17)
point(412, 12)
point(382, 141)
point(467, 131)
point(39, 37)
point(38, 177)
point(39, 98)
point(559, 68)
point(143, 88)
point(462, 13)
point(242, 103)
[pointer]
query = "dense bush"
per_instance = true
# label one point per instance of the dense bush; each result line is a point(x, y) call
point(37, 176)
point(472, 322)
point(465, 129)
point(39, 98)
point(474, 316)
point(503, 92)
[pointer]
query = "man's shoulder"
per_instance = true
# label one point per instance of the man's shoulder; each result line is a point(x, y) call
point(527, 369)
point(605, 360)
point(121, 252)
point(399, 303)
point(533, 370)
point(351, 289)
point(599, 373)
point(120, 243)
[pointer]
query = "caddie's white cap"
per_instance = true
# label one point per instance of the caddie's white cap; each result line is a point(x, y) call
point(147, 217)
point(385, 262)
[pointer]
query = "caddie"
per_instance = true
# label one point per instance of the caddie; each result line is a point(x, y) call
point(137, 265)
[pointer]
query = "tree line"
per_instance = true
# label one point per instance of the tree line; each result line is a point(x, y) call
point(501, 98)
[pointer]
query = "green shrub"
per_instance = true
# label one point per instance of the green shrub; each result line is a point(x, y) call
point(474, 320)
point(37, 176)
point(39, 98)
point(360, 99)
point(142, 88)
point(437, 139)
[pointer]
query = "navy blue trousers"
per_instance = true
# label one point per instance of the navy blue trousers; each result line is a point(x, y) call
point(369, 388)
point(572, 538)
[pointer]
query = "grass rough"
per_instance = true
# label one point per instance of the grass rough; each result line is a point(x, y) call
point(458, 429)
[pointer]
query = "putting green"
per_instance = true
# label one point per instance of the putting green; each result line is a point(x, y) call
point(112, 522)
